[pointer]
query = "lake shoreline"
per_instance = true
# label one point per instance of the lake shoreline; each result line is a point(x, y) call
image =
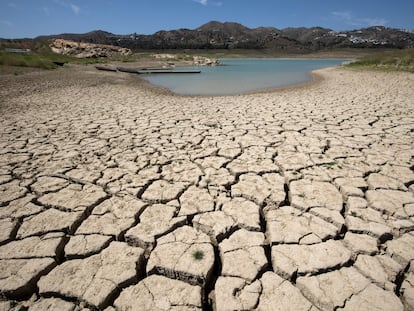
point(243, 76)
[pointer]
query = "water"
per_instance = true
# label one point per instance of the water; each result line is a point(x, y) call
point(239, 76)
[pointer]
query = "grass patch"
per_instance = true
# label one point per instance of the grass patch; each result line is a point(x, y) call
point(44, 61)
point(398, 60)
point(198, 255)
point(32, 60)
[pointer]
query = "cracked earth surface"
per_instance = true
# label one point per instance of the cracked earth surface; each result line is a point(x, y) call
point(116, 197)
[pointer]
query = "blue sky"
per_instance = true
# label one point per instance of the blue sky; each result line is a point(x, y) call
point(30, 18)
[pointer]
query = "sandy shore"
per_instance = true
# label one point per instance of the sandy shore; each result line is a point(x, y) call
point(115, 195)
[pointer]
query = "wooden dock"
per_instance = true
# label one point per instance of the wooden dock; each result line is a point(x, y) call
point(147, 70)
point(168, 71)
point(128, 70)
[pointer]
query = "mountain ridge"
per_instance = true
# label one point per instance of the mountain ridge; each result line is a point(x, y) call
point(231, 35)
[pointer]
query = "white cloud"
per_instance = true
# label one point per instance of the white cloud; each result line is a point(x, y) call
point(75, 8)
point(209, 2)
point(350, 19)
point(203, 2)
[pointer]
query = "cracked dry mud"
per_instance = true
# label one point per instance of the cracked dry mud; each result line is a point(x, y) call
point(116, 197)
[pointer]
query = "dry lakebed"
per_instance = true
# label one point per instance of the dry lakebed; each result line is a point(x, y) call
point(116, 195)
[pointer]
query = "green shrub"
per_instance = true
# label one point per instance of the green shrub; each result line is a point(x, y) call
point(31, 60)
point(398, 60)
point(198, 255)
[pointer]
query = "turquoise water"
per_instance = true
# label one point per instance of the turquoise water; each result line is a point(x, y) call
point(239, 76)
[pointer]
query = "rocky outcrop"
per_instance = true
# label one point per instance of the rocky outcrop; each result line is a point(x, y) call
point(205, 61)
point(87, 50)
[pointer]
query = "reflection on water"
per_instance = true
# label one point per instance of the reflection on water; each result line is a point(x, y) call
point(241, 76)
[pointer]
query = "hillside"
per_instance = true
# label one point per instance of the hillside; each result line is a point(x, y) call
point(217, 35)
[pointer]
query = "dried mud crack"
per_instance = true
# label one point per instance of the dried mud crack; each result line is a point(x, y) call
point(114, 196)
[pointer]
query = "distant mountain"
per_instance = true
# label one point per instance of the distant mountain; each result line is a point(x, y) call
point(217, 35)
point(96, 36)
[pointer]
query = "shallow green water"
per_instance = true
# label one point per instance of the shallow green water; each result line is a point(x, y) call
point(239, 76)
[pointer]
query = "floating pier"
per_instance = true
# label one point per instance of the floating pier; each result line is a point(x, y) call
point(147, 70)
point(128, 70)
point(167, 71)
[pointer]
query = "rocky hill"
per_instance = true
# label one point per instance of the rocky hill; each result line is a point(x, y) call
point(87, 50)
point(217, 35)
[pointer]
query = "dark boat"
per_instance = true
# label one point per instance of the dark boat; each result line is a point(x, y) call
point(106, 68)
